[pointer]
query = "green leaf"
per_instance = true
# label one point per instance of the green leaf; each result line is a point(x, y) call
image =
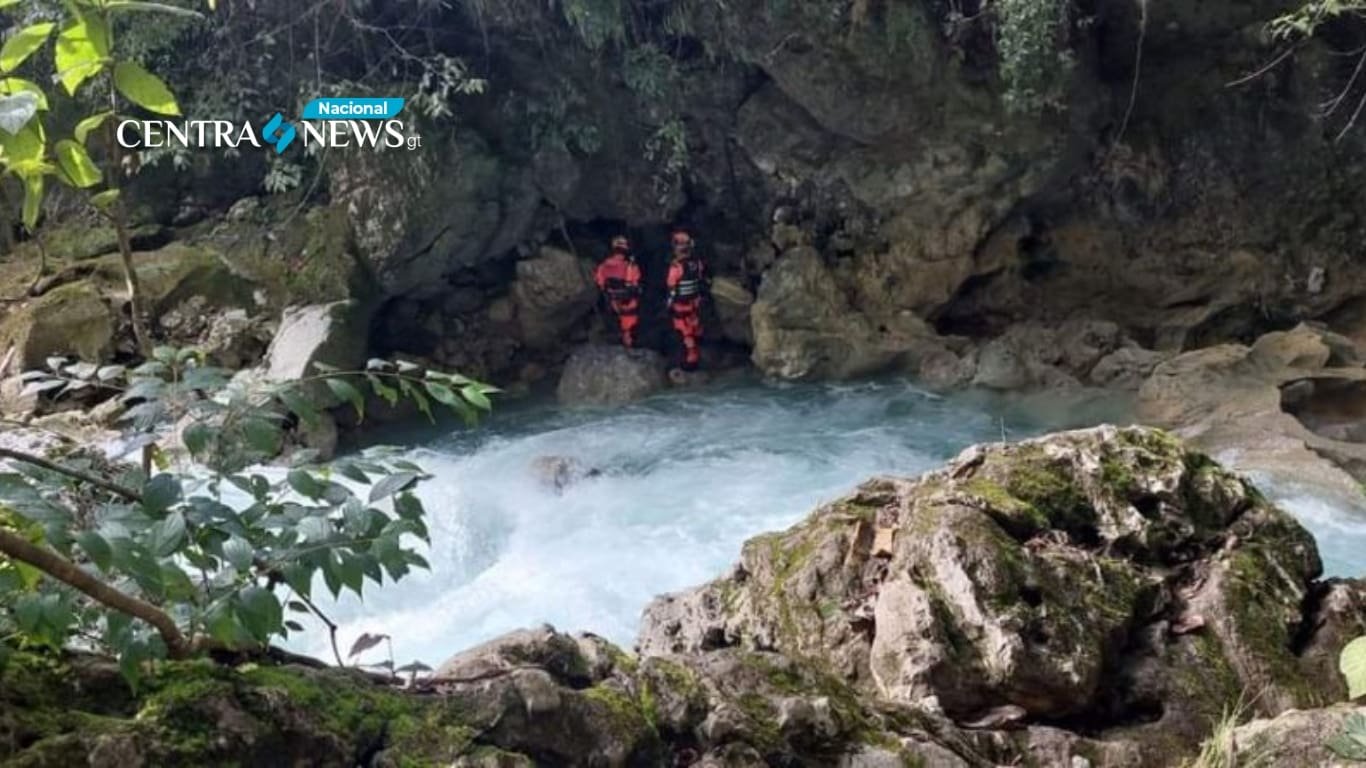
point(239, 553)
point(299, 577)
point(76, 165)
point(262, 435)
point(392, 484)
point(197, 437)
point(260, 612)
point(33, 201)
point(96, 548)
point(105, 199)
point(82, 47)
point(382, 390)
point(306, 484)
point(1352, 663)
point(84, 127)
point(144, 89)
point(160, 493)
point(343, 391)
point(23, 43)
point(167, 535)
point(475, 395)
point(12, 85)
point(315, 529)
point(299, 406)
point(27, 146)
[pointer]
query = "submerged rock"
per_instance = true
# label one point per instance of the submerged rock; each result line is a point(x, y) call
point(607, 375)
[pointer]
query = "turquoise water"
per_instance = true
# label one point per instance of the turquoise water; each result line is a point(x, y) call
point(685, 478)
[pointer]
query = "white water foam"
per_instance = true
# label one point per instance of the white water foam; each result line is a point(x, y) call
point(686, 478)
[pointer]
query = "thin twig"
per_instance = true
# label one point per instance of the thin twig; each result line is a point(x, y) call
point(75, 474)
point(331, 626)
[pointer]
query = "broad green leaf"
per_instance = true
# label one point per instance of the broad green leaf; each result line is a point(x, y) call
point(33, 201)
point(105, 199)
point(299, 406)
point(239, 553)
point(299, 577)
point(260, 612)
point(84, 127)
point(144, 89)
point(262, 435)
point(342, 390)
point(305, 483)
point(315, 529)
point(167, 535)
point(197, 437)
point(392, 484)
point(475, 395)
point(28, 145)
point(16, 110)
point(76, 164)
point(382, 390)
point(96, 548)
point(1352, 663)
point(13, 85)
point(22, 44)
point(82, 47)
point(160, 493)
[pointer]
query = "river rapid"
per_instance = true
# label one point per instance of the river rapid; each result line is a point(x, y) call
point(685, 478)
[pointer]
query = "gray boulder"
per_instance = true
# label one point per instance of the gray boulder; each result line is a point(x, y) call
point(334, 334)
point(552, 292)
point(604, 375)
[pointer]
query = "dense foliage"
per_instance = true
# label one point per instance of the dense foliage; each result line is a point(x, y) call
point(204, 549)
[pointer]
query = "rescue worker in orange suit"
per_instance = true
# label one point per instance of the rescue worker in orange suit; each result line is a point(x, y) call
point(618, 277)
point(685, 283)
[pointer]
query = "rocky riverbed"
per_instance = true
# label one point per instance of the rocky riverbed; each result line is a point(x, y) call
point(1097, 598)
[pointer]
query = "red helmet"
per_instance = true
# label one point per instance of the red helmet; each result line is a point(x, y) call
point(621, 243)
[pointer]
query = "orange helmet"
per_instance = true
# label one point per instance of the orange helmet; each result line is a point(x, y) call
point(621, 243)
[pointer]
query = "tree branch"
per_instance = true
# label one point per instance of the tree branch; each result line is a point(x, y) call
point(75, 474)
point(67, 572)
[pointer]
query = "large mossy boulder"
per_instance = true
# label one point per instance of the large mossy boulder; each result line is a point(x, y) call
point(1107, 574)
point(68, 320)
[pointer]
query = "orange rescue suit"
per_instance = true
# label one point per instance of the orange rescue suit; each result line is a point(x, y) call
point(685, 305)
point(618, 278)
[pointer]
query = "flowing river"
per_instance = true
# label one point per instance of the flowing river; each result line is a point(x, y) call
point(685, 478)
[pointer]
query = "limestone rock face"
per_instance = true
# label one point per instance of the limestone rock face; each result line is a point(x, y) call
point(332, 334)
point(1296, 739)
point(1087, 572)
point(1288, 406)
point(805, 328)
point(609, 375)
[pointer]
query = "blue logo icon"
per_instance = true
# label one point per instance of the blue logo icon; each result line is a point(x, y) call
point(279, 133)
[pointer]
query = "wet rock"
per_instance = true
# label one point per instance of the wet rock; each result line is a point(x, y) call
point(805, 328)
point(733, 303)
point(608, 375)
point(556, 473)
point(552, 292)
point(1275, 405)
point(1038, 577)
point(333, 334)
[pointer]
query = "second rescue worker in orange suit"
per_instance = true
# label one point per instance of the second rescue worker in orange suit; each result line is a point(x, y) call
point(685, 284)
point(618, 277)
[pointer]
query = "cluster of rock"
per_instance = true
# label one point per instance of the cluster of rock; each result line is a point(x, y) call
point(1095, 598)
